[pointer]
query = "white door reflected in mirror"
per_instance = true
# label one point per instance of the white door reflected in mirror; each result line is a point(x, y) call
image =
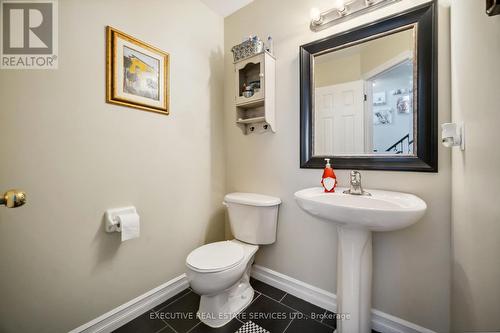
point(364, 98)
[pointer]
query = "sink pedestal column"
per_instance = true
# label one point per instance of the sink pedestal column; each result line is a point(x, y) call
point(354, 280)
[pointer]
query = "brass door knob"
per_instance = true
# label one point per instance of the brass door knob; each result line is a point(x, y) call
point(13, 198)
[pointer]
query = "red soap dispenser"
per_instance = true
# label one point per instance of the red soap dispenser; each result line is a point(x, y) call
point(329, 180)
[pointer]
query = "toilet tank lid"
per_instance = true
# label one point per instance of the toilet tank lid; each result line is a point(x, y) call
point(252, 199)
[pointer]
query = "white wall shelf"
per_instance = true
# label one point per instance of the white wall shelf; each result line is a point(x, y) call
point(251, 120)
point(256, 113)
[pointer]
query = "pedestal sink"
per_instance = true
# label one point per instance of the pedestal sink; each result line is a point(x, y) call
point(357, 216)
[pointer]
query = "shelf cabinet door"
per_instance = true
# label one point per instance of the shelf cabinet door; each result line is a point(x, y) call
point(250, 72)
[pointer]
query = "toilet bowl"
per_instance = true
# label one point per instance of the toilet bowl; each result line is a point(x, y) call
point(220, 272)
point(223, 283)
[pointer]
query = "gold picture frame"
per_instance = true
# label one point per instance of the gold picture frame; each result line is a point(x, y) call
point(137, 74)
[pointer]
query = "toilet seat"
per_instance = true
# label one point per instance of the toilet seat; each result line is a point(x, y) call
point(215, 257)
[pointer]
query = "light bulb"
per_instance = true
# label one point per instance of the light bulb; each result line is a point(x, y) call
point(315, 15)
point(339, 5)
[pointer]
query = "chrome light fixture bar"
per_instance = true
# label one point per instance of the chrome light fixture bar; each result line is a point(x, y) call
point(344, 10)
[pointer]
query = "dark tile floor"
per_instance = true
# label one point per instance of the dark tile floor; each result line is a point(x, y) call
point(272, 309)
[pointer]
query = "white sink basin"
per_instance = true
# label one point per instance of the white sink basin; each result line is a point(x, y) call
point(357, 216)
point(382, 211)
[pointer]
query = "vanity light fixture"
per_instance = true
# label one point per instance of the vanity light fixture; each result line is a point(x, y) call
point(315, 15)
point(344, 10)
point(340, 6)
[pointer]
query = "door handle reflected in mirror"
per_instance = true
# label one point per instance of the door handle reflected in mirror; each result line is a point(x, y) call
point(13, 198)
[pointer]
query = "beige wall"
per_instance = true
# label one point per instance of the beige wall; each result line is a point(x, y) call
point(76, 156)
point(476, 181)
point(352, 63)
point(380, 51)
point(337, 69)
point(412, 266)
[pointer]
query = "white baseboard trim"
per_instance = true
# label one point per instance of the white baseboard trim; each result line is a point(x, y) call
point(386, 323)
point(302, 290)
point(132, 309)
point(381, 322)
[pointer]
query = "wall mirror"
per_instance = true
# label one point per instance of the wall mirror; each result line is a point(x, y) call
point(369, 96)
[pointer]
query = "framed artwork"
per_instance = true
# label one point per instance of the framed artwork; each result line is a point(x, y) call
point(403, 104)
point(379, 98)
point(382, 117)
point(137, 74)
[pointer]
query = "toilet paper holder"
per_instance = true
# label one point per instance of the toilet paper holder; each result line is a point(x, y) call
point(111, 217)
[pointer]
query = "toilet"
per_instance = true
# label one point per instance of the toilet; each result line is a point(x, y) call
point(220, 272)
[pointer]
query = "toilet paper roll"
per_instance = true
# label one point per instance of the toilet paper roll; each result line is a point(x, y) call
point(129, 225)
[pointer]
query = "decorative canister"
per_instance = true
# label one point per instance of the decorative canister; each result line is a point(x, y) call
point(248, 48)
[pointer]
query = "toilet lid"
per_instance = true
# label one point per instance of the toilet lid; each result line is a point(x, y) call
point(215, 257)
point(252, 199)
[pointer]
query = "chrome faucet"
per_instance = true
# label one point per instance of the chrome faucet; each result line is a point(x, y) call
point(355, 187)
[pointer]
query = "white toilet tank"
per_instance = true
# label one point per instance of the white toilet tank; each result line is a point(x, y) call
point(253, 217)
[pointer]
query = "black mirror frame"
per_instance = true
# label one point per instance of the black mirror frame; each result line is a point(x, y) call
point(426, 159)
